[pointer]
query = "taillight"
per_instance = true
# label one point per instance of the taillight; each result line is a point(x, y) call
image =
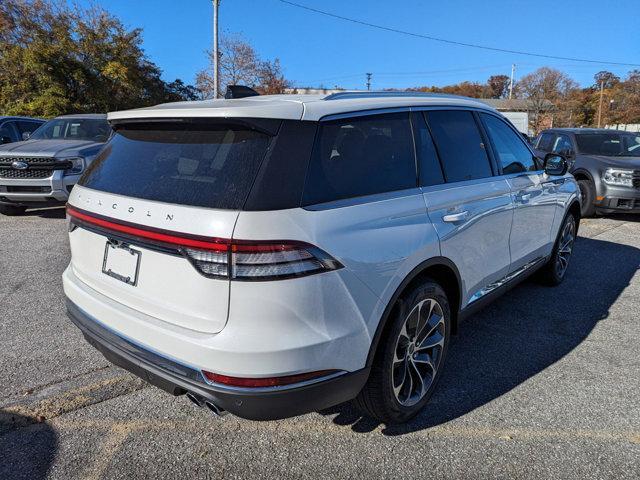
point(261, 260)
point(219, 257)
point(265, 382)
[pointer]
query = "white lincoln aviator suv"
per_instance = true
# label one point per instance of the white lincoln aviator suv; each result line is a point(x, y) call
point(276, 255)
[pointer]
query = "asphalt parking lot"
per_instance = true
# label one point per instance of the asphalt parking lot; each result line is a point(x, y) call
point(545, 383)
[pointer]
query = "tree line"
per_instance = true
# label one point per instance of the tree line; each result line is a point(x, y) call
point(552, 93)
point(56, 58)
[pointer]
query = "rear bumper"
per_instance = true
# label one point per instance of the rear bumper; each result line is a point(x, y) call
point(255, 404)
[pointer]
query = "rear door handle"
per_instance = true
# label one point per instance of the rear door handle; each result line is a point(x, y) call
point(456, 217)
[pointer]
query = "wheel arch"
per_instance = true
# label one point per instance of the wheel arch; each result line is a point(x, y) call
point(574, 208)
point(439, 269)
point(583, 174)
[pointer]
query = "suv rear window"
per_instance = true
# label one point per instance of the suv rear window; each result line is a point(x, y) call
point(203, 165)
point(361, 156)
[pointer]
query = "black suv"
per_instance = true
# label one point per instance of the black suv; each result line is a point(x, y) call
point(606, 164)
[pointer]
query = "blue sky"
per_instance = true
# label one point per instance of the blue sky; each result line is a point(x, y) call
point(316, 50)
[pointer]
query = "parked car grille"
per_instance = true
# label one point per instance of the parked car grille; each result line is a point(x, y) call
point(636, 178)
point(11, 173)
point(38, 167)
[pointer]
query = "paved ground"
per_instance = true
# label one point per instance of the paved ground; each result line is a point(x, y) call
point(545, 383)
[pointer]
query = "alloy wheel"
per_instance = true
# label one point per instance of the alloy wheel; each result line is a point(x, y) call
point(565, 247)
point(418, 352)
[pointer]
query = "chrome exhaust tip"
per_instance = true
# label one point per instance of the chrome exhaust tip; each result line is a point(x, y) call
point(196, 399)
point(216, 410)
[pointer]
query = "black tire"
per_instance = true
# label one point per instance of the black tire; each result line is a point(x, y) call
point(588, 194)
point(12, 210)
point(551, 274)
point(378, 398)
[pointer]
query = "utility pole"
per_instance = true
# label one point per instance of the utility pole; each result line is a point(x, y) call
point(600, 103)
point(216, 53)
point(513, 71)
point(369, 81)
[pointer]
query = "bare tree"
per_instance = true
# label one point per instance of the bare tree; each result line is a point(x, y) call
point(240, 64)
point(542, 88)
point(608, 79)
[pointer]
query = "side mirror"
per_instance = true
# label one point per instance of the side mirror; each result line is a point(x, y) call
point(555, 164)
point(26, 135)
point(4, 140)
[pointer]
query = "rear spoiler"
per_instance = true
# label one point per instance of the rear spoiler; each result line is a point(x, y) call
point(239, 91)
point(268, 126)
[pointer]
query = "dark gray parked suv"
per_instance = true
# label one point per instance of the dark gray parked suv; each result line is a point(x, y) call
point(606, 164)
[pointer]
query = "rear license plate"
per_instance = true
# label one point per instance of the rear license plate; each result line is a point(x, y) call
point(121, 262)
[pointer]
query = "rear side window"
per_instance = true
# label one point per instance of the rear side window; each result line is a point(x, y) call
point(203, 165)
point(460, 145)
point(512, 153)
point(361, 156)
point(428, 163)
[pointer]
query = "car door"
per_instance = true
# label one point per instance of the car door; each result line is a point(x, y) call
point(470, 207)
point(533, 193)
point(367, 208)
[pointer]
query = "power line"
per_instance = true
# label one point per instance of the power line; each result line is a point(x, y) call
point(452, 42)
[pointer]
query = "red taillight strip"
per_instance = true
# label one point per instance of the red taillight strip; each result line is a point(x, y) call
point(215, 244)
point(265, 382)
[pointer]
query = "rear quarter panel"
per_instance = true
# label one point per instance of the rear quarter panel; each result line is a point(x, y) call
point(379, 242)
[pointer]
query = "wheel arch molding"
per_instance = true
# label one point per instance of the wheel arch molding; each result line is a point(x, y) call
point(439, 269)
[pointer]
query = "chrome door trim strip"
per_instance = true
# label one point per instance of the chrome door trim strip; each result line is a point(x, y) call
point(503, 281)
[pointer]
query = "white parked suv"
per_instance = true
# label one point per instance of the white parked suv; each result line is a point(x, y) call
point(276, 255)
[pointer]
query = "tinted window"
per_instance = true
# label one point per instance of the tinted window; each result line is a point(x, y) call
point(8, 132)
point(201, 165)
point(96, 130)
point(460, 146)
point(609, 144)
point(27, 127)
point(361, 156)
point(512, 153)
point(562, 144)
point(545, 143)
point(428, 163)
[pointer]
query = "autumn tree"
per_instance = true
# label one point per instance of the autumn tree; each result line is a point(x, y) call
point(626, 100)
point(240, 64)
point(605, 79)
point(543, 87)
point(57, 59)
point(498, 86)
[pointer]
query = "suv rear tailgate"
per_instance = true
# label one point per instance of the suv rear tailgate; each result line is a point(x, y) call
point(167, 286)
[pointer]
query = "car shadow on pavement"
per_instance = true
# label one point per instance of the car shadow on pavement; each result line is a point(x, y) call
point(518, 336)
point(27, 448)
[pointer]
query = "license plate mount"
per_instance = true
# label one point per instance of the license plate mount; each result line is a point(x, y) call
point(121, 262)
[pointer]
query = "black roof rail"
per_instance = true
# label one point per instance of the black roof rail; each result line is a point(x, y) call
point(388, 93)
point(239, 91)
